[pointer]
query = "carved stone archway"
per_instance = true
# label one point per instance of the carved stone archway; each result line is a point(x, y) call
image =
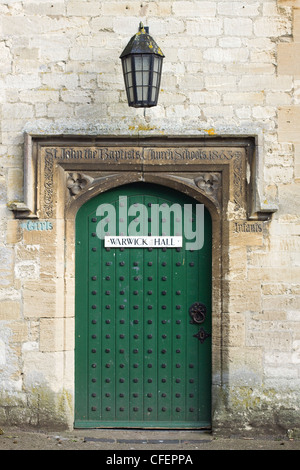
point(61, 173)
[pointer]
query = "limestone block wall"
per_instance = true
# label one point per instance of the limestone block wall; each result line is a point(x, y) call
point(231, 69)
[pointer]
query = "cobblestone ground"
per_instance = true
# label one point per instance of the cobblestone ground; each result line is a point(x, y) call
point(173, 442)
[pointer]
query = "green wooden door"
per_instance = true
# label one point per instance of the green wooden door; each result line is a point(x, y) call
point(143, 319)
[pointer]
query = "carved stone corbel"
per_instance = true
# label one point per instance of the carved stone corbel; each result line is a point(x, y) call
point(210, 184)
point(76, 182)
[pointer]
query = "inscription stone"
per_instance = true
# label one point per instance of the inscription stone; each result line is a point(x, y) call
point(247, 227)
point(83, 161)
point(141, 154)
point(37, 226)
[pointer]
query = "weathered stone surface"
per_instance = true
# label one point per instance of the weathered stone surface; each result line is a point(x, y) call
point(231, 70)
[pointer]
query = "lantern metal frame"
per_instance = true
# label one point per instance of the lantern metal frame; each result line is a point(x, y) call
point(142, 67)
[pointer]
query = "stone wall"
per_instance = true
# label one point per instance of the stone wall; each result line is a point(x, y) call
point(231, 69)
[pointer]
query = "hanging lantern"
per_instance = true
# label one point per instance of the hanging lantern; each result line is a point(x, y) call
point(142, 65)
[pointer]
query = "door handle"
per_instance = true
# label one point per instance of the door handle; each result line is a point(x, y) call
point(197, 312)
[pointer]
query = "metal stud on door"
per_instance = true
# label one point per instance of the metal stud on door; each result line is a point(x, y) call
point(139, 362)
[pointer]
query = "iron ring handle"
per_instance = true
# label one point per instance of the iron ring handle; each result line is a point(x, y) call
point(197, 312)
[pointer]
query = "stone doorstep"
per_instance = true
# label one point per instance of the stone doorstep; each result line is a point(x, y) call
point(147, 437)
point(145, 441)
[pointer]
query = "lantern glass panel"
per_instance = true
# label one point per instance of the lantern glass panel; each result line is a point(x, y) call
point(127, 68)
point(153, 94)
point(138, 62)
point(146, 62)
point(139, 93)
point(131, 95)
point(128, 64)
point(156, 64)
point(129, 79)
point(154, 79)
point(139, 78)
point(145, 93)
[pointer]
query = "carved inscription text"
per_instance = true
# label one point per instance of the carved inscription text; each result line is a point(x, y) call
point(81, 161)
point(141, 155)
